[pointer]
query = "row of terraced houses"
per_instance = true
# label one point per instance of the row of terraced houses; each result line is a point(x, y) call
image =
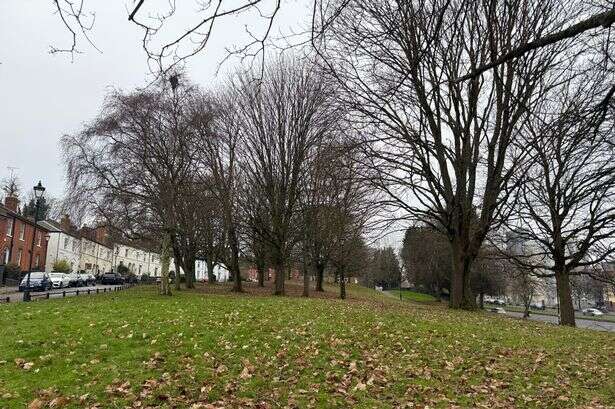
point(85, 249)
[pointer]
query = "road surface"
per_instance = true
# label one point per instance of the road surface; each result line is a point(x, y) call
point(581, 323)
point(57, 293)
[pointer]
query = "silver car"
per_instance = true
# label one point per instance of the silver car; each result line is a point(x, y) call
point(592, 312)
point(59, 280)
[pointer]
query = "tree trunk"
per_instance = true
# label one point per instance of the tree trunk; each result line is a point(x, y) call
point(526, 309)
point(566, 308)
point(342, 279)
point(234, 270)
point(306, 281)
point(165, 259)
point(481, 300)
point(320, 275)
point(260, 272)
point(237, 286)
point(189, 269)
point(211, 277)
point(461, 292)
point(280, 275)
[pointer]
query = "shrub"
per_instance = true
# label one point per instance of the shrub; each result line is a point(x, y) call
point(61, 266)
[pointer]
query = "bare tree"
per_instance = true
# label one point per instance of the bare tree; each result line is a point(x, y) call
point(129, 165)
point(524, 284)
point(317, 204)
point(165, 47)
point(212, 237)
point(566, 203)
point(218, 150)
point(443, 150)
point(10, 186)
point(281, 120)
point(352, 206)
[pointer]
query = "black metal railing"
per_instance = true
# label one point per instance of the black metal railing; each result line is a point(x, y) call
point(63, 294)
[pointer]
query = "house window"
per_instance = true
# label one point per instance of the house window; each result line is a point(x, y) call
point(40, 237)
point(37, 261)
point(66, 241)
point(9, 228)
point(22, 231)
point(126, 253)
point(6, 256)
point(19, 254)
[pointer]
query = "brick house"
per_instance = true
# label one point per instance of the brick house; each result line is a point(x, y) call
point(252, 274)
point(16, 234)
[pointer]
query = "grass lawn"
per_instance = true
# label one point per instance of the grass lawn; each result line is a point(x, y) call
point(408, 295)
point(137, 349)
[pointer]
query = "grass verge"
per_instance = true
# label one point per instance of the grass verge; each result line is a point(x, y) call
point(553, 312)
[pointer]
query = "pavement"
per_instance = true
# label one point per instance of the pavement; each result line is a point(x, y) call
point(581, 323)
point(16, 296)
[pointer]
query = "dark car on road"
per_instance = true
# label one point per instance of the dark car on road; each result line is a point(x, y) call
point(87, 279)
point(75, 280)
point(112, 278)
point(38, 282)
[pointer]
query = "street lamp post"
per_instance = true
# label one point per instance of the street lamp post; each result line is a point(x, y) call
point(39, 191)
point(114, 266)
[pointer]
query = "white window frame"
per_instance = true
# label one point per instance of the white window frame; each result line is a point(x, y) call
point(22, 231)
point(9, 227)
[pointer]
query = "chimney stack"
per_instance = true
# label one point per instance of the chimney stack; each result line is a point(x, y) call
point(65, 223)
point(101, 233)
point(11, 203)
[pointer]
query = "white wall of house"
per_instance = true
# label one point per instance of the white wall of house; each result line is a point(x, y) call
point(220, 271)
point(62, 246)
point(95, 258)
point(137, 260)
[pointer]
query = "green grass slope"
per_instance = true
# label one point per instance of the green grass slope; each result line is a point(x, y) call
point(194, 350)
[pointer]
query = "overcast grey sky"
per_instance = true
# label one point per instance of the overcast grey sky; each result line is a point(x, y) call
point(44, 96)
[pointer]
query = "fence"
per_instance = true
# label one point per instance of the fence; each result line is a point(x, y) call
point(76, 292)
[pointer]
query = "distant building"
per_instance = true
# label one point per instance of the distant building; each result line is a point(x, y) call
point(545, 289)
point(138, 260)
point(220, 271)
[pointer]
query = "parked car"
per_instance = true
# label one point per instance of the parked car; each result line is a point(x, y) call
point(112, 278)
point(75, 280)
point(59, 280)
point(499, 302)
point(39, 281)
point(592, 312)
point(88, 279)
point(498, 310)
point(537, 306)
